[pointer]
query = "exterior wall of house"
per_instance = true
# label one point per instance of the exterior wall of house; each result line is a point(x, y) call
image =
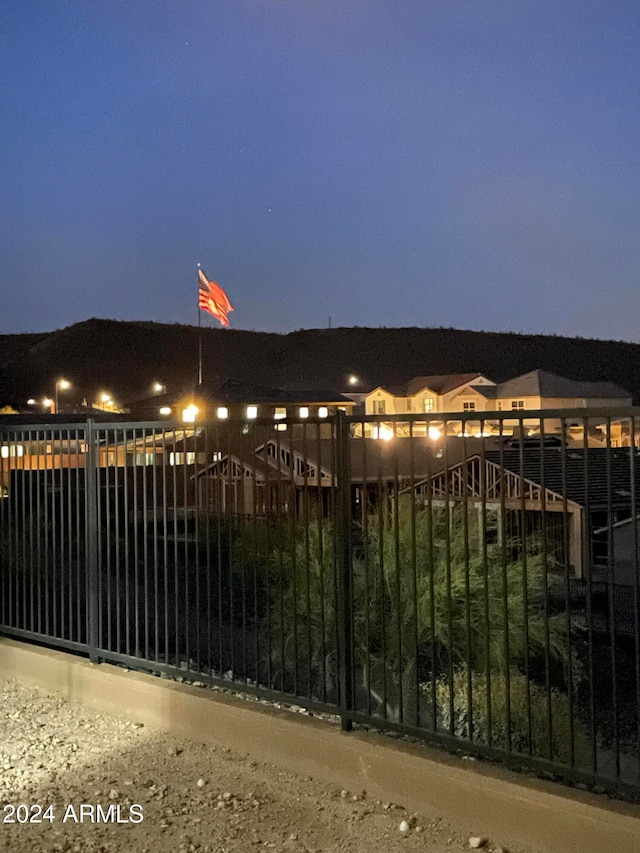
point(424, 402)
point(465, 399)
point(379, 395)
point(427, 401)
point(505, 404)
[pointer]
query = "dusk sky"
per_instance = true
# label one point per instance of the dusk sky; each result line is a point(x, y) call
point(464, 163)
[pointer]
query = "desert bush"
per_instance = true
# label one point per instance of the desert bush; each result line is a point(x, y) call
point(426, 599)
point(431, 598)
point(514, 700)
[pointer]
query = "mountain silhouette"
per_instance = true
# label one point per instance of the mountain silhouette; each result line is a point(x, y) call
point(126, 357)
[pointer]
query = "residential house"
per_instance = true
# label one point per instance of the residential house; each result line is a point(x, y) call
point(467, 394)
point(430, 394)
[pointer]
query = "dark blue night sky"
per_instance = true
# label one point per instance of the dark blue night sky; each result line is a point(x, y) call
point(466, 163)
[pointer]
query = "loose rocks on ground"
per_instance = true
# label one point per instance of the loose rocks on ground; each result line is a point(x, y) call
point(76, 780)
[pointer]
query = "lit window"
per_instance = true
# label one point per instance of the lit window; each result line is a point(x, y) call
point(379, 407)
point(189, 414)
point(8, 450)
point(280, 427)
point(469, 406)
point(280, 413)
point(145, 458)
point(222, 412)
point(182, 458)
point(303, 411)
point(383, 432)
point(323, 412)
point(252, 412)
point(428, 404)
point(517, 404)
point(165, 410)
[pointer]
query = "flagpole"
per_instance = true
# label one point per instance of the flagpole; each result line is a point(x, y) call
point(199, 336)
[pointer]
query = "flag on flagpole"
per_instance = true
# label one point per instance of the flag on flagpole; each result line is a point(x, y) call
point(213, 299)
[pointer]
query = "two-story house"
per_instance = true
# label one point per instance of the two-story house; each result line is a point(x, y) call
point(427, 394)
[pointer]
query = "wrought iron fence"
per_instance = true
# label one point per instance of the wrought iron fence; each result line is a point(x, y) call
point(467, 578)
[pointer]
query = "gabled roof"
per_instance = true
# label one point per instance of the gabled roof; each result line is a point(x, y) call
point(541, 383)
point(440, 384)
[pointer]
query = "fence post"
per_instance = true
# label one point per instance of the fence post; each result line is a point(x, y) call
point(91, 514)
point(344, 571)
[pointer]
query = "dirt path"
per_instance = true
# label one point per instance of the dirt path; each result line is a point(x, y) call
point(176, 796)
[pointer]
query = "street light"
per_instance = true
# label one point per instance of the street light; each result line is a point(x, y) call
point(105, 399)
point(159, 387)
point(61, 385)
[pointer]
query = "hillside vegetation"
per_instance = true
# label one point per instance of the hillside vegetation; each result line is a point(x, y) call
point(126, 357)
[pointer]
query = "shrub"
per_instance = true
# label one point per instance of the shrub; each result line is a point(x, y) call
point(430, 598)
point(550, 715)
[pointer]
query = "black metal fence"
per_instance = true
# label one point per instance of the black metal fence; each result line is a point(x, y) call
point(471, 579)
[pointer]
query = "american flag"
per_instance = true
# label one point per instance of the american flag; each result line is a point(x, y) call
point(213, 299)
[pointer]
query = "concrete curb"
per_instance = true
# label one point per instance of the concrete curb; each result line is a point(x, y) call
point(490, 801)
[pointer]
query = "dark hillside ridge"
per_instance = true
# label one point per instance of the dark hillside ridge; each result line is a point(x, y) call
point(126, 357)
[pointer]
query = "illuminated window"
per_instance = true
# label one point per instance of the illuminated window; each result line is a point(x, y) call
point(517, 404)
point(182, 458)
point(428, 404)
point(222, 412)
point(145, 458)
point(280, 427)
point(303, 411)
point(323, 412)
point(11, 450)
point(280, 413)
point(379, 407)
point(165, 410)
point(383, 432)
point(252, 412)
point(189, 414)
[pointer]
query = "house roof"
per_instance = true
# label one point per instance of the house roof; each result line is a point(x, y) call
point(236, 392)
point(440, 384)
point(600, 476)
point(541, 383)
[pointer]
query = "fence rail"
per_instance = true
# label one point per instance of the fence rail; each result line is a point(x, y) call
point(471, 579)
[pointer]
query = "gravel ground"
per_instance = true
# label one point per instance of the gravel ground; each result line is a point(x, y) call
point(158, 793)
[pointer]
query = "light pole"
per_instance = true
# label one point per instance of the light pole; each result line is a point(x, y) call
point(61, 385)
